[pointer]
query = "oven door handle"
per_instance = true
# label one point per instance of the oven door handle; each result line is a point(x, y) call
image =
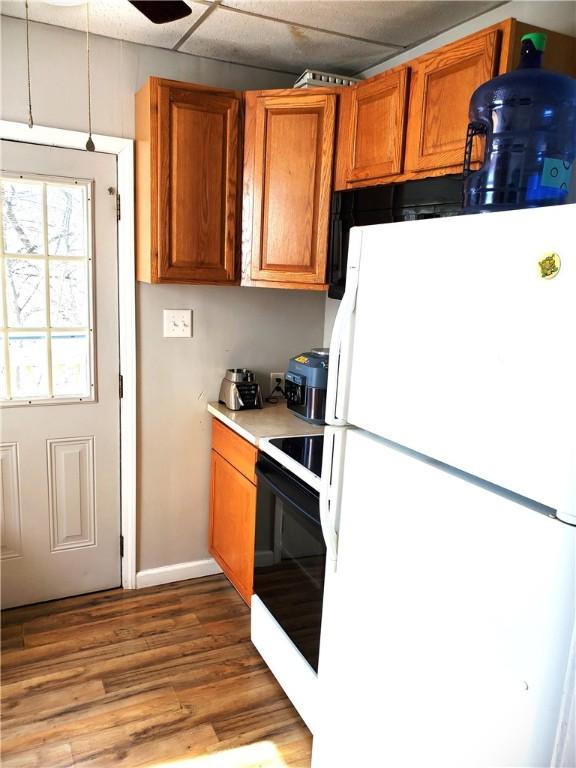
point(278, 491)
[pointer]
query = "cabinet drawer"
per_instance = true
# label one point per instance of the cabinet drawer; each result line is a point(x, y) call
point(237, 451)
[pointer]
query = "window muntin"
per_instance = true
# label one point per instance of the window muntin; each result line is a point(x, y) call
point(46, 328)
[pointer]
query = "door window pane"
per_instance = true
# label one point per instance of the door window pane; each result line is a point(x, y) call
point(26, 293)
point(22, 217)
point(45, 291)
point(68, 293)
point(67, 220)
point(70, 365)
point(28, 364)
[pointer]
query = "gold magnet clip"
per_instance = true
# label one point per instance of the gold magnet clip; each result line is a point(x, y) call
point(549, 266)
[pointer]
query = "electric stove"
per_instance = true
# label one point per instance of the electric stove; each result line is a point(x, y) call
point(306, 450)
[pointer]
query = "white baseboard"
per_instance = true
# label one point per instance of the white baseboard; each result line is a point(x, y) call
point(263, 558)
point(195, 569)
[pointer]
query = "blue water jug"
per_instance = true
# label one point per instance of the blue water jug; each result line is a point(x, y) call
point(529, 119)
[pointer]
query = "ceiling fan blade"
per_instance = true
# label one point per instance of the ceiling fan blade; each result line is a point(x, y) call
point(162, 11)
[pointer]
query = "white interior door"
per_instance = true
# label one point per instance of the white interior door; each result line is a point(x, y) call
point(59, 375)
point(446, 628)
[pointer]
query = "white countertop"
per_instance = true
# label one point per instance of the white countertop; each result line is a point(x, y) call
point(270, 421)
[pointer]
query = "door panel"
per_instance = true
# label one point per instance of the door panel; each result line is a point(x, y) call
point(198, 184)
point(441, 86)
point(379, 115)
point(232, 524)
point(293, 154)
point(201, 190)
point(470, 347)
point(290, 187)
point(11, 510)
point(449, 616)
point(60, 462)
point(71, 488)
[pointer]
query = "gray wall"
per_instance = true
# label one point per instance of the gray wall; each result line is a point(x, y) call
point(330, 310)
point(58, 68)
point(232, 326)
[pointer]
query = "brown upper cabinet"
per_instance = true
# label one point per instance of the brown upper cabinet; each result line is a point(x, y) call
point(442, 84)
point(288, 158)
point(193, 142)
point(439, 86)
point(188, 183)
point(372, 126)
point(560, 55)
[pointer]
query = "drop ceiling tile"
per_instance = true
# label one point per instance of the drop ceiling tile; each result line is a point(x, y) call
point(112, 18)
point(246, 39)
point(400, 22)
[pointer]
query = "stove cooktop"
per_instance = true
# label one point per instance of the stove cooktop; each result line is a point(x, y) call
point(307, 451)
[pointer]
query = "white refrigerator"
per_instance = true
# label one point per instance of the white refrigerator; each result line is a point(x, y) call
point(448, 497)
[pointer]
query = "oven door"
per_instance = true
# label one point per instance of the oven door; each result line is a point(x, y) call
point(290, 555)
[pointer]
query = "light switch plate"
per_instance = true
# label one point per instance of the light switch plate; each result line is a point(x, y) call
point(178, 323)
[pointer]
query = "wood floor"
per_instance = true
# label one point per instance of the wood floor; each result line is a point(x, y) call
point(164, 677)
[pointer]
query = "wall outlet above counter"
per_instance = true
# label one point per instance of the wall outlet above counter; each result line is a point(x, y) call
point(277, 384)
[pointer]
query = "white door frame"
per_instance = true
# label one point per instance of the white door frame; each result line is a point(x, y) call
point(124, 151)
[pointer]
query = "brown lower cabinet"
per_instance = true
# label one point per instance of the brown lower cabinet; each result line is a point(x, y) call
point(233, 507)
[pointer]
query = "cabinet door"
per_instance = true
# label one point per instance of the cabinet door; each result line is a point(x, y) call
point(198, 185)
point(441, 86)
point(289, 195)
point(378, 126)
point(232, 523)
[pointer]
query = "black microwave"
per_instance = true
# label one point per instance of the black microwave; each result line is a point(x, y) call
point(406, 201)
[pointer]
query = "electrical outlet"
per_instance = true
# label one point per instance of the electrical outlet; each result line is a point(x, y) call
point(274, 382)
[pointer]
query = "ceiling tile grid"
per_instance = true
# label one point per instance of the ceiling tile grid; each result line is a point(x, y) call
point(342, 36)
point(396, 23)
point(261, 42)
point(111, 18)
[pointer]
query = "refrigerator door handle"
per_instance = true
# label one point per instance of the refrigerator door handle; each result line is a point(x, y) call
point(337, 393)
point(566, 510)
point(330, 483)
point(328, 529)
